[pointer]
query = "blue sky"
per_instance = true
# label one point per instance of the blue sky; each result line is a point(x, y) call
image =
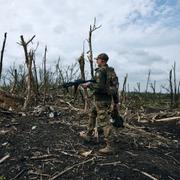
point(138, 35)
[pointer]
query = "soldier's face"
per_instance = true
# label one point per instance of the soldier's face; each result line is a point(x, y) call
point(100, 62)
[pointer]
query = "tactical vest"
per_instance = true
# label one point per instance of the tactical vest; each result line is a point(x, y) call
point(111, 83)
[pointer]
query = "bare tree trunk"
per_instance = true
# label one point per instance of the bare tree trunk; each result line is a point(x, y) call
point(90, 57)
point(45, 75)
point(33, 81)
point(171, 87)
point(25, 44)
point(139, 87)
point(81, 64)
point(36, 78)
point(128, 88)
point(123, 96)
point(15, 82)
point(2, 54)
point(90, 52)
point(179, 88)
point(178, 92)
point(29, 82)
point(60, 73)
point(148, 79)
point(175, 97)
point(153, 87)
point(28, 60)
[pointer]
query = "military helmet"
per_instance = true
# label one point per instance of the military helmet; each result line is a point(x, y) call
point(103, 56)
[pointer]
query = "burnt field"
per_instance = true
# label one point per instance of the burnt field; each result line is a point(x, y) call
point(43, 147)
point(45, 100)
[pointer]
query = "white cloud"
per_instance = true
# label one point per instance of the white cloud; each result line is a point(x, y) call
point(138, 35)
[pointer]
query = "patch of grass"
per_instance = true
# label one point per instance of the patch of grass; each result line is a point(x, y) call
point(2, 178)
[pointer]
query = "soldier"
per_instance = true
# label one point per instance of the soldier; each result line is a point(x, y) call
point(105, 92)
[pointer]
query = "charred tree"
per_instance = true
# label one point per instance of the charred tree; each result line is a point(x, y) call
point(35, 75)
point(139, 87)
point(171, 87)
point(36, 83)
point(29, 98)
point(60, 77)
point(81, 61)
point(153, 87)
point(28, 61)
point(123, 92)
point(45, 75)
point(90, 52)
point(14, 87)
point(81, 65)
point(2, 54)
point(178, 94)
point(175, 96)
point(148, 79)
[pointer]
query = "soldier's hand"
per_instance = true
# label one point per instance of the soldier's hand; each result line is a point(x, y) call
point(116, 107)
point(85, 85)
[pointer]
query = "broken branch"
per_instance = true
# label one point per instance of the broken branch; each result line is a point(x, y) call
point(69, 168)
point(4, 158)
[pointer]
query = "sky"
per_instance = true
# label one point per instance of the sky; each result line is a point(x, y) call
point(138, 35)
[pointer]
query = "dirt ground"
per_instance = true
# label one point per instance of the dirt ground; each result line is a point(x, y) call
point(50, 148)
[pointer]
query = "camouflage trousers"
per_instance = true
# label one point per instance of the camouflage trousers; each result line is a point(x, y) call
point(99, 116)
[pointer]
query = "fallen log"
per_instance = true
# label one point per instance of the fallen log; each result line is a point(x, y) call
point(70, 106)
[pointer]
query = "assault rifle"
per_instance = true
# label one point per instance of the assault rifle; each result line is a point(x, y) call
point(76, 83)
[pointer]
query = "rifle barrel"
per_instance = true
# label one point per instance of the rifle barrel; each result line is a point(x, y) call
point(76, 83)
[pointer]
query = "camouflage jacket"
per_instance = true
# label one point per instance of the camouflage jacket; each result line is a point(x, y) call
point(100, 87)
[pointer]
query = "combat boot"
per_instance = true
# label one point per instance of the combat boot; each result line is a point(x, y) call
point(107, 150)
point(86, 136)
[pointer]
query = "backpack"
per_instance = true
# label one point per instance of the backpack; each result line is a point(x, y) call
point(112, 82)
